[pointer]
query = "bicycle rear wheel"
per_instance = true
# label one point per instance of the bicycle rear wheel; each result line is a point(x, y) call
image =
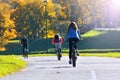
point(58, 54)
point(59, 57)
point(25, 54)
point(74, 58)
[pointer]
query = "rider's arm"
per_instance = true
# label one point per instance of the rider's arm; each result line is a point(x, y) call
point(79, 35)
point(60, 41)
point(52, 40)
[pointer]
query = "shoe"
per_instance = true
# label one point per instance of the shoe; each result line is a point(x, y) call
point(70, 62)
point(77, 52)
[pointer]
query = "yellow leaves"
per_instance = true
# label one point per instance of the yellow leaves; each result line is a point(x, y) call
point(51, 11)
point(6, 24)
point(6, 14)
point(2, 48)
point(20, 2)
point(51, 33)
point(9, 24)
point(4, 9)
point(80, 21)
point(61, 11)
point(2, 43)
point(30, 32)
point(52, 14)
point(24, 28)
point(9, 34)
point(62, 14)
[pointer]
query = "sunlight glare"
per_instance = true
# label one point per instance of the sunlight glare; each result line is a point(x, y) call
point(115, 3)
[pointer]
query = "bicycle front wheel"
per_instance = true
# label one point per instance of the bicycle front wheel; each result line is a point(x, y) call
point(59, 56)
point(74, 58)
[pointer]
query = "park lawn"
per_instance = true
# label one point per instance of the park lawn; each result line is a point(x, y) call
point(93, 33)
point(14, 41)
point(10, 64)
point(108, 54)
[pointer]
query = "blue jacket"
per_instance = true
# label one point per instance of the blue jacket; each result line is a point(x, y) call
point(73, 34)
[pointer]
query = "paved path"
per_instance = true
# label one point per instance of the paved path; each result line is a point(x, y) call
point(88, 68)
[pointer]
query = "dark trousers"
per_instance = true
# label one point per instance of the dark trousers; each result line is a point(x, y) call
point(70, 45)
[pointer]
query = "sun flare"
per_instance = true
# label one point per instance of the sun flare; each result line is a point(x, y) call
point(115, 3)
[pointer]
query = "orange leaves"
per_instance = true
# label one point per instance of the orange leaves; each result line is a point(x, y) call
point(62, 14)
point(20, 2)
point(51, 33)
point(7, 30)
point(52, 14)
point(9, 34)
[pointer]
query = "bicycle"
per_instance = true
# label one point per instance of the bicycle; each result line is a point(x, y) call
point(58, 51)
point(73, 55)
point(25, 54)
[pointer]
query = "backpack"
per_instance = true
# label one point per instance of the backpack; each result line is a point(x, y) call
point(56, 38)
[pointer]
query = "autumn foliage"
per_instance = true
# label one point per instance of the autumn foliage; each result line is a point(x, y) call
point(34, 17)
point(7, 25)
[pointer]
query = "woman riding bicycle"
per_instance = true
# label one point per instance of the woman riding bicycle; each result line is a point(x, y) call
point(72, 35)
point(57, 41)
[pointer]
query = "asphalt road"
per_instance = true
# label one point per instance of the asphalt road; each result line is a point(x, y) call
point(88, 68)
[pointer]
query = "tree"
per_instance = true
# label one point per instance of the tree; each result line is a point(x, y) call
point(30, 17)
point(7, 26)
point(91, 11)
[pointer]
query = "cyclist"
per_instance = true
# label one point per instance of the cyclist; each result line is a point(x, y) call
point(24, 42)
point(72, 35)
point(57, 41)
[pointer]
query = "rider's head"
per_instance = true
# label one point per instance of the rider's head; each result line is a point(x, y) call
point(73, 25)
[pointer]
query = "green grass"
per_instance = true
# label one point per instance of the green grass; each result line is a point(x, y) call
point(110, 54)
point(46, 54)
point(10, 64)
point(92, 33)
point(14, 41)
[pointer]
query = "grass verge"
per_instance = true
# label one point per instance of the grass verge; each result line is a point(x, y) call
point(10, 64)
point(109, 54)
point(92, 33)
